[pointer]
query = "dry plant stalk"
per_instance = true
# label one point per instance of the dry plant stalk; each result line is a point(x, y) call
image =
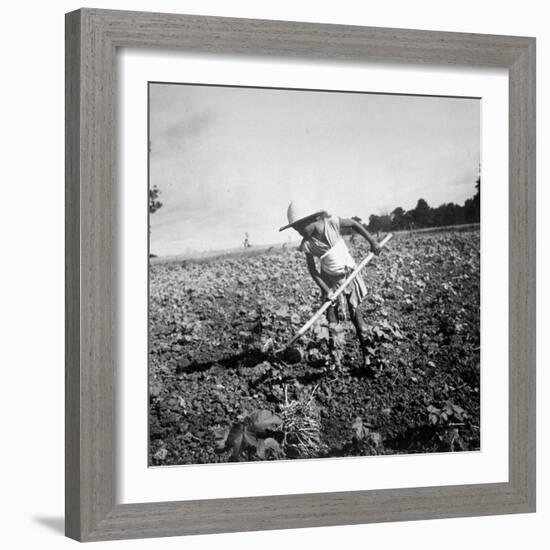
point(301, 425)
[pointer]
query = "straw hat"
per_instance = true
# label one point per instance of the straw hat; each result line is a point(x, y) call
point(297, 213)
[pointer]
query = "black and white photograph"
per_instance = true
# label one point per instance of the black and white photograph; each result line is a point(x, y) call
point(271, 281)
point(314, 274)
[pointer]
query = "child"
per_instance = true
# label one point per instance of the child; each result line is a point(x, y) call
point(322, 238)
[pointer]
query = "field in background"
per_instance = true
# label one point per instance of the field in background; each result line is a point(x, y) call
point(215, 322)
point(282, 247)
point(219, 254)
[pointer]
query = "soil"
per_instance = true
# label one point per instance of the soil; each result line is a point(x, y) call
point(214, 326)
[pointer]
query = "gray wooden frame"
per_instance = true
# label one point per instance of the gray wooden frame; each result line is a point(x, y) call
point(92, 38)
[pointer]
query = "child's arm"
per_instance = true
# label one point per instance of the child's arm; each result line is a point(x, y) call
point(346, 222)
point(312, 268)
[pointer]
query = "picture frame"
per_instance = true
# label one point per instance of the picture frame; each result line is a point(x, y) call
point(92, 39)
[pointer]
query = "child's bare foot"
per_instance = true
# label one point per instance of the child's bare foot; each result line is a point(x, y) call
point(367, 365)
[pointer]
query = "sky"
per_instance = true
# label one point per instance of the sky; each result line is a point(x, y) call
point(229, 160)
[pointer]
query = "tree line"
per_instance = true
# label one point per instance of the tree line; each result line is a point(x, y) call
point(423, 215)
